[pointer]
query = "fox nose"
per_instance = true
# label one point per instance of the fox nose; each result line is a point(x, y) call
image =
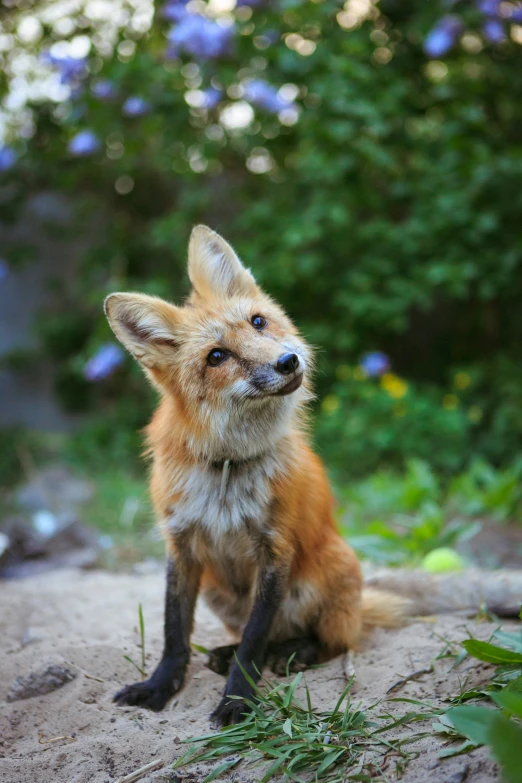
point(287, 363)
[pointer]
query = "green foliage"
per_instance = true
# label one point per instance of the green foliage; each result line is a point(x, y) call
point(497, 725)
point(397, 518)
point(292, 739)
point(385, 217)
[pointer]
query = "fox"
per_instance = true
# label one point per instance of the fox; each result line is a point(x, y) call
point(241, 498)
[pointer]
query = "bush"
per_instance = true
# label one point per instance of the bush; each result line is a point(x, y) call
point(376, 195)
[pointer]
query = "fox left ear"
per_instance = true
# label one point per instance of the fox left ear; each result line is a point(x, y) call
point(214, 268)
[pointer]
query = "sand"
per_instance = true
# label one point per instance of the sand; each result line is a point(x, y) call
point(87, 622)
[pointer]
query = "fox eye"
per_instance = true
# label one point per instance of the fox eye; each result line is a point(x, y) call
point(216, 357)
point(258, 322)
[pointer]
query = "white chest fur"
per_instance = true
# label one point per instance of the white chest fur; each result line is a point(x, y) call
point(202, 505)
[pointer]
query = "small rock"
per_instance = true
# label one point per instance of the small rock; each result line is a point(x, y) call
point(459, 776)
point(40, 683)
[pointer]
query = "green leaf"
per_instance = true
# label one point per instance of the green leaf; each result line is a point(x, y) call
point(287, 727)
point(290, 692)
point(473, 722)
point(199, 648)
point(223, 767)
point(513, 640)
point(491, 653)
point(272, 769)
point(506, 742)
point(515, 685)
point(509, 700)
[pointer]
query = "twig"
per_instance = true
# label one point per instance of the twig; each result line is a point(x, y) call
point(412, 676)
point(139, 773)
point(41, 740)
point(92, 677)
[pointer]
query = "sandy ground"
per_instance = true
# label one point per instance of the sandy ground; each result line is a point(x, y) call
point(88, 621)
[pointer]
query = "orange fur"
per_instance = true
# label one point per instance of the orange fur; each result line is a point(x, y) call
point(210, 414)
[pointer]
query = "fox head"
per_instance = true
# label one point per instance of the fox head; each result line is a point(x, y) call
point(230, 358)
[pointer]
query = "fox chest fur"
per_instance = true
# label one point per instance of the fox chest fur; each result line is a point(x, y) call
point(223, 519)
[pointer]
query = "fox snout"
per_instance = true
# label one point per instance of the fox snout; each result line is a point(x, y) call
point(282, 377)
point(287, 363)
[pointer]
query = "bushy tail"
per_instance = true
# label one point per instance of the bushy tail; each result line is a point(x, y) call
point(384, 609)
point(390, 595)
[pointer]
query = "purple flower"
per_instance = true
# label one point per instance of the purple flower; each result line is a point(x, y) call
point(375, 364)
point(264, 95)
point(84, 143)
point(212, 97)
point(103, 363)
point(104, 89)
point(174, 10)
point(200, 37)
point(493, 31)
point(516, 16)
point(8, 158)
point(135, 107)
point(443, 36)
point(71, 69)
point(489, 7)
point(4, 269)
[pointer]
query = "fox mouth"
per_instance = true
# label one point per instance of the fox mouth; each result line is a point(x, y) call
point(290, 387)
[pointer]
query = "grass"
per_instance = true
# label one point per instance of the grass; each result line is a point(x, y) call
point(141, 625)
point(291, 738)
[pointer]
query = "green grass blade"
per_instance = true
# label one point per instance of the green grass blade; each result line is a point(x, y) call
point(226, 765)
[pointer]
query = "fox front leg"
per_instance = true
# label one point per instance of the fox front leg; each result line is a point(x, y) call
point(251, 654)
point(169, 675)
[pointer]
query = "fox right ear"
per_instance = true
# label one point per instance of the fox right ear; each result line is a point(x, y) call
point(214, 268)
point(145, 325)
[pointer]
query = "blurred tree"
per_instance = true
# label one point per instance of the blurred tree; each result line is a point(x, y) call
point(365, 159)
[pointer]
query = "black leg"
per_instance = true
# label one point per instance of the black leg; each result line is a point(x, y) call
point(305, 651)
point(169, 675)
point(220, 658)
point(251, 653)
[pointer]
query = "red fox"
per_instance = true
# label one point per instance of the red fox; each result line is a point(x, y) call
point(242, 500)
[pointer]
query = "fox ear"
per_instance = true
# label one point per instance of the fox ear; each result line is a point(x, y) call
point(214, 268)
point(145, 325)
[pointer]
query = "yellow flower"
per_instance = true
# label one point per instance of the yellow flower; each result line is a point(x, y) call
point(475, 414)
point(395, 386)
point(450, 402)
point(330, 404)
point(343, 372)
point(462, 380)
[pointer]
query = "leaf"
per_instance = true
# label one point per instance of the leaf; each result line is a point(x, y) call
point(457, 750)
point(506, 742)
point(473, 722)
point(272, 769)
point(287, 727)
point(141, 671)
point(515, 685)
point(199, 648)
point(509, 700)
point(491, 653)
point(223, 767)
point(289, 695)
point(513, 640)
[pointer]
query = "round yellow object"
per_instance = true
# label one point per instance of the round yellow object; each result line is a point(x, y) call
point(442, 561)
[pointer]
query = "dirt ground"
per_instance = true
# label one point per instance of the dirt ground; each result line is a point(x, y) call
point(87, 622)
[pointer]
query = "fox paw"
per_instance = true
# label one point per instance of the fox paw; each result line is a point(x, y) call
point(152, 696)
point(220, 659)
point(228, 712)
